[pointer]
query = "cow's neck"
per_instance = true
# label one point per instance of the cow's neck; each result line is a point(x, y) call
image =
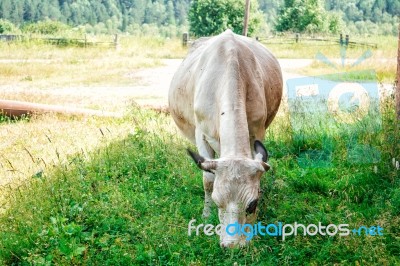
point(234, 132)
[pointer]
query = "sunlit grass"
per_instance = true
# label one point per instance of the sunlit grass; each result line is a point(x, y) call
point(37, 64)
point(129, 202)
point(382, 59)
point(282, 48)
point(31, 147)
point(385, 70)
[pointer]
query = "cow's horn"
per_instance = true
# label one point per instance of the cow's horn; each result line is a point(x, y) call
point(209, 165)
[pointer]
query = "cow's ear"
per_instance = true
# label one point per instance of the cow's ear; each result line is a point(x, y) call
point(202, 163)
point(260, 149)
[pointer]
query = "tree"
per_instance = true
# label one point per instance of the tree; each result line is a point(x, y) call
point(170, 13)
point(211, 17)
point(181, 11)
point(335, 22)
point(300, 15)
point(5, 9)
point(18, 12)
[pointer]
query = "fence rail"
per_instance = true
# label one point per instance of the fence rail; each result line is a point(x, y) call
point(82, 42)
point(298, 39)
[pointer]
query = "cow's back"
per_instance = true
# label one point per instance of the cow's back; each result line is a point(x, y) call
point(195, 91)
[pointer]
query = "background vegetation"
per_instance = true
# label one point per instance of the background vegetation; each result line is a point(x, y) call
point(210, 17)
point(170, 17)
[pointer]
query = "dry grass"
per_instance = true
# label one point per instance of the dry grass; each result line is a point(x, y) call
point(45, 66)
point(41, 73)
point(29, 148)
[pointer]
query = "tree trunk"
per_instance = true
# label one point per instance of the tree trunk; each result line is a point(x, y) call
point(246, 18)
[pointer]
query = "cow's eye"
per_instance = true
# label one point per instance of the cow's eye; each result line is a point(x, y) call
point(251, 208)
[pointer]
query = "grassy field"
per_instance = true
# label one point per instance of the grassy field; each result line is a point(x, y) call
point(381, 59)
point(31, 69)
point(122, 191)
point(130, 202)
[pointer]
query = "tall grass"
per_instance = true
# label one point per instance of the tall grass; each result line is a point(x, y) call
point(129, 203)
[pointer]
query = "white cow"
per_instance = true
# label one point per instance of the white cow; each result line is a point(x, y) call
point(223, 97)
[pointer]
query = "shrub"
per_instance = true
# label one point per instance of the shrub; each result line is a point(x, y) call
point(6, 26)
point(46, 27)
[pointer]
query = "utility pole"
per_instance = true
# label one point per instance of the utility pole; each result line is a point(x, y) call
point(246, 18)
point(398, 79)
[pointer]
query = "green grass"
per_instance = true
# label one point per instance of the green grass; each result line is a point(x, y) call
point(382, 59)
point(129, 203)
point(4, 119)
point(305, 48)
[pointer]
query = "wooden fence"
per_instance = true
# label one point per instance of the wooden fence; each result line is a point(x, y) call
point(297, 38)
point(81, 42)
point(342, 40)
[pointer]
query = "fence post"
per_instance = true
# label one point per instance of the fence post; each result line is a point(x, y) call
point(347, 40)
point(297, 37)
point(116, 43)
point(341, 39)
point(185, 39)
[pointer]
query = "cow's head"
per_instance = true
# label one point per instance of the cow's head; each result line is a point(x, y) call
point(236, 189)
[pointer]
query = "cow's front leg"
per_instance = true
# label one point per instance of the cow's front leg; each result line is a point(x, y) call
point(208, 183)
point(206, 151)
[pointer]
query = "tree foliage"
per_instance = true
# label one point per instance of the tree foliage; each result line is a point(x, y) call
point(116, 14)
point(211, 17)
point(162, 16)
point(48, 27)
point(6, 26)
point(304, 15)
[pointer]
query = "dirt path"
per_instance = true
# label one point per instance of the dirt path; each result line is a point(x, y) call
point(151, 89)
